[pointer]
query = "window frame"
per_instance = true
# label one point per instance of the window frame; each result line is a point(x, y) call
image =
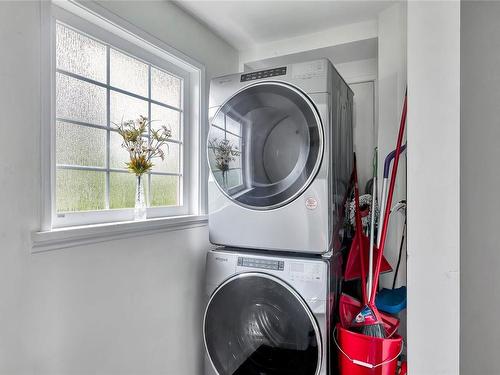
point(118, 34)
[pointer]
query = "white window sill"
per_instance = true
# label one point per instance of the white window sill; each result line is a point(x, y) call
point(62, 238)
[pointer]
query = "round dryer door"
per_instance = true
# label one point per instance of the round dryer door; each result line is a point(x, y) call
point(265, 145)
point(255, 324)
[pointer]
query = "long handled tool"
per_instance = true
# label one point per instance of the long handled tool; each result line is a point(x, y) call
point(372, 224)
point(353, 268)
point(383, 197)
point(368, 321)
point(350, 307)
point(388, 204)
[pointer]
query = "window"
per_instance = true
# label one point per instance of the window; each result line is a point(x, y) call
point(98, 81)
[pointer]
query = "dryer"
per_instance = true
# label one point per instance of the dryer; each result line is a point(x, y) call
point(267, 314)
point(280, 155)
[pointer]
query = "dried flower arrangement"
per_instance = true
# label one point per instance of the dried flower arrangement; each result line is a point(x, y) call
point(142, 152)
point(224, 152)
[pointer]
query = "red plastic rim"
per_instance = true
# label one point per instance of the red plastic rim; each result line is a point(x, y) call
point(364, 355)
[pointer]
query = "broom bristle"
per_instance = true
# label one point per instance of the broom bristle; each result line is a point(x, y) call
point(368, 322)
point(373, 330)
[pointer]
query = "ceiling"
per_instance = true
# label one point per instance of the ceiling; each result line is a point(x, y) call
point(246, 24)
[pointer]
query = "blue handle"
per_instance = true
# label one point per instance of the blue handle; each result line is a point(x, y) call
point(388, 160)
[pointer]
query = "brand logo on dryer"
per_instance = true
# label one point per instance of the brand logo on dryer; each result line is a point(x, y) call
point(224, 81)
point(311, 203)
point(220, 259)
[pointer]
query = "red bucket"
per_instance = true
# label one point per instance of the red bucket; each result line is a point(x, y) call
point(366, 355)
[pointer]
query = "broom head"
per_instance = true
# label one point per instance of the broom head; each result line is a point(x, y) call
point(349, 307)
point(369, 322)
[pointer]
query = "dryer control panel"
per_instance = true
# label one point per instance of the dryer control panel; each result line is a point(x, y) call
point(263, 74)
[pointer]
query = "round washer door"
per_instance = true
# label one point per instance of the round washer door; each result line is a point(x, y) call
point(265, 145)
point(255, 324)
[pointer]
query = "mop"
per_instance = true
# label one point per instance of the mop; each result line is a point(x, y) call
point(387, 212)
point(368, 321)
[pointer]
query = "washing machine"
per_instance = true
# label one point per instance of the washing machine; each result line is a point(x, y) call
point(280, 151)
point(267, 314)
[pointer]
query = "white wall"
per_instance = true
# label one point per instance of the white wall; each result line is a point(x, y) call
point(121, 307)
point(330, 37)
point(479, 181)
point(359, 70)
point(364, 131)
point(391, 89)
point(433, 190)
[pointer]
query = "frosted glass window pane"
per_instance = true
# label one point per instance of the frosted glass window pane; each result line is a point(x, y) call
point(219, 120)
point(216, 134)
point(166, 116)
point(118, 156)
point(125, 107)
point(80, 145)
point(234, 178)
point(233, 126)
point(165, 88)
point(80, 190)
point(122, 189)
point(80, 100)
point(164, 190)
point(236, 143)
point(234, 140)
point(172, 159)
point(128, 73)
point(79, 54)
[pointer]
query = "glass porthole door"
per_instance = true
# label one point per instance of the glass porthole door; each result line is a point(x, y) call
point(265, 145)
point(255, 324)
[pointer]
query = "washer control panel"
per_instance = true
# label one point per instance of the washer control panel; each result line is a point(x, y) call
point(263, 74)
point(300, 271)
point(267, 264)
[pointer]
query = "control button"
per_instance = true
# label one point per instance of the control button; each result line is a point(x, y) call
point(263, 74)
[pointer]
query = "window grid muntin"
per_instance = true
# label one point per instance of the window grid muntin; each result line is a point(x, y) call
point(107, 169)
point(108, 125)
point(119, 90)
point(103, 127)
point(148, 196)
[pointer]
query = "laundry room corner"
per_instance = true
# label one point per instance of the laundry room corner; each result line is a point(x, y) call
point(198, 187)
point(372, 57)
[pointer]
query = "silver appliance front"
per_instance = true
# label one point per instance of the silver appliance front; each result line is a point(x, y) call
point(265, 145)
point(257, 324)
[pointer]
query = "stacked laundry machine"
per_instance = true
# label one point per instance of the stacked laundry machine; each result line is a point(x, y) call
point(280, 150)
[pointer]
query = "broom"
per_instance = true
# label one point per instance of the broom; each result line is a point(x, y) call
point(387, 212)
point(368, 321)
point(369, 317)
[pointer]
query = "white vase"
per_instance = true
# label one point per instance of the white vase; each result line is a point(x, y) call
point(140, 201)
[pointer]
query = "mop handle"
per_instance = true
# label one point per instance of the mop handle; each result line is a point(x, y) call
point(383, 198)
point(388, 160)
point(389, 200)
point(372, 223)
point(359, 230)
